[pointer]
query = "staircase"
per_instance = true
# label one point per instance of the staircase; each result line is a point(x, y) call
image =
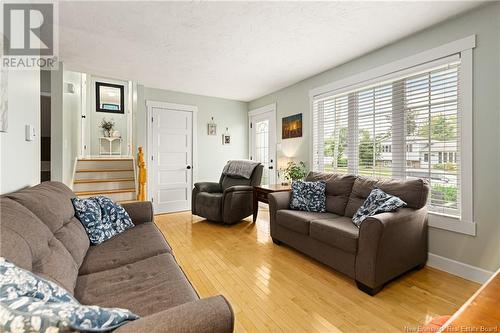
point(111, 177)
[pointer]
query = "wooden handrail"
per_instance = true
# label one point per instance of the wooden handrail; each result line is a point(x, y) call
point(142, 177)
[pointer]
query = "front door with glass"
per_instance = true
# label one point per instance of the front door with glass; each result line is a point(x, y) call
point(263, 143)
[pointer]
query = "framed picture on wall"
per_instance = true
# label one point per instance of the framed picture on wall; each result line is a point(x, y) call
point(109, 97)
point(212, 127)
point(226, 137)
point(291, 126)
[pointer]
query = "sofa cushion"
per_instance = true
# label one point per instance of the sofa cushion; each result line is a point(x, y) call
point(141, 242)
point(27, 242)
point(51, 203)
point(414, 192)
point(31, 303)
point(209, 205)
point(20, 231)
point(144, 287)
point(338, 189)
point(299, 221)
point(339, 232)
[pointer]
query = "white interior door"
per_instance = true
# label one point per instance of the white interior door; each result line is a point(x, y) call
point(172, 155)
point(263, 143)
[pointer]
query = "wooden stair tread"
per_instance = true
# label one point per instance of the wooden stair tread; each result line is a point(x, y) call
point(125, 190)
point(103, 170)
point(108, 180)
point(105, 159)
point(127, 201)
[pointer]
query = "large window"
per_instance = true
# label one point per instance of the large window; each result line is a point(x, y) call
point(406, 127)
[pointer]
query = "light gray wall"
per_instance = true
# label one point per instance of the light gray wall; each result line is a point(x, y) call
point(65, 124)
point(20, 159)
point(56, 124)
point(95, 118)
point(212, 155)
point(72, 103)
point(484, 249)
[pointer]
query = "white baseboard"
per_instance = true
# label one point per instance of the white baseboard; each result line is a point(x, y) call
point(458, 268)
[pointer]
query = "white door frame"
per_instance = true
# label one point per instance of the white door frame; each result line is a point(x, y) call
point(149, 143)
point(269, 108)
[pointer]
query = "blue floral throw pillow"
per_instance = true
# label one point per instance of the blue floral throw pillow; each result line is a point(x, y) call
point(308, 196)
point(29, 303)
point(101, 217)
point(377, 202)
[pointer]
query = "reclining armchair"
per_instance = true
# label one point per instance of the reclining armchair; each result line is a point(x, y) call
point(231, 199)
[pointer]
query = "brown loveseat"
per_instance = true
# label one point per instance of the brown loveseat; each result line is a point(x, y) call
point(384, 247)
point(134, 270)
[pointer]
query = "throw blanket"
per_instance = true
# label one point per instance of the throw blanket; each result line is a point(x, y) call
point(239, 168)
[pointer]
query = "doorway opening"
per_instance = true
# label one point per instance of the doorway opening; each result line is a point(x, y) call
point(45, 119)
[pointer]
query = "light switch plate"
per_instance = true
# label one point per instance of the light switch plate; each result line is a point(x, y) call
point(30, 133)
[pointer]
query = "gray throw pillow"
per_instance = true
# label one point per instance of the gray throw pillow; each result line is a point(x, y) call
point(308, 196)
point(377, 202)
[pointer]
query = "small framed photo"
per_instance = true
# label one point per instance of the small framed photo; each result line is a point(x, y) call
point(226, 139)
point(212, 129)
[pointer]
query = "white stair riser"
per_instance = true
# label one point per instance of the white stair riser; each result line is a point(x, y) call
point(78, 187)
point(104, 175)
point(105, 164)
point(115, 196)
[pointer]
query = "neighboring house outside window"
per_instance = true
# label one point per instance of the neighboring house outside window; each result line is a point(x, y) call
point(406, 128)
point(421, 107)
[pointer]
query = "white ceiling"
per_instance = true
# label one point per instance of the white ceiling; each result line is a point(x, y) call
point(235, 50)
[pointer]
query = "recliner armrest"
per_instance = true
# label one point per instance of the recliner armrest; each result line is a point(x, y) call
point(238, 188)
point(208, 315)
point(210, 187)
point(140, 211)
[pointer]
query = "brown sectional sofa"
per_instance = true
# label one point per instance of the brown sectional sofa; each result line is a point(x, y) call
point(134, 270)
point(384, 247)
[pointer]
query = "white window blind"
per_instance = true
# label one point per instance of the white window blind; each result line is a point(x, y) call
point(403, 128)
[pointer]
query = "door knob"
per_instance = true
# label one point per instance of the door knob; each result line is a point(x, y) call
point(188, 167)
point(271, 167)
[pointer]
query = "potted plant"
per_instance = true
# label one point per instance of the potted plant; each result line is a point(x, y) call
point(107, 127)
point(294, 171)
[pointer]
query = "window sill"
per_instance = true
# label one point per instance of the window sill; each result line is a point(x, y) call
point(452, 224)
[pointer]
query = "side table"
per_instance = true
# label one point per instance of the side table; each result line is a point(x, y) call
point(261, 192)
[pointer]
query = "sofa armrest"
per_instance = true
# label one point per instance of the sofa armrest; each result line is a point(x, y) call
point(140, 211)
point(391, 244)
point(209, 315)
point(277, 201)
point(210, 187)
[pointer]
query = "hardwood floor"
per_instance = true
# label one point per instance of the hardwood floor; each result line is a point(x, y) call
point(275, 288)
